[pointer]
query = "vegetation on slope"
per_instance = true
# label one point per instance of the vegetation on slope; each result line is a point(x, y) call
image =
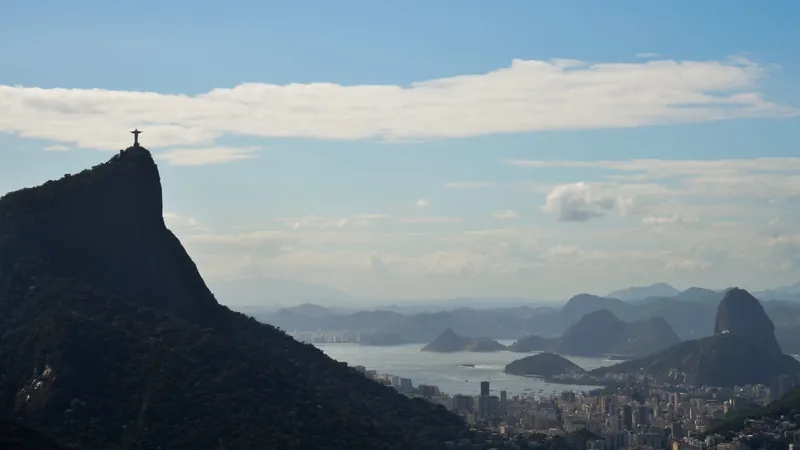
point(785, 408)
point(109, 338)
point(14, 436)
point(724, 360)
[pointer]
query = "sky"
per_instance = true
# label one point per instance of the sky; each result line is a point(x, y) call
point(431, 149)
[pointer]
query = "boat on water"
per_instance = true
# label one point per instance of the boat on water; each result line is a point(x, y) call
point(466, 365)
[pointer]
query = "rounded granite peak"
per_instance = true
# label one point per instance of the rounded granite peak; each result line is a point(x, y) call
point(742, 314)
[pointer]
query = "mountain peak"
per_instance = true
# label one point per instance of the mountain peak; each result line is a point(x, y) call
point(601, 315)
point(105, 225)
point(448, 333)
point(742, 314)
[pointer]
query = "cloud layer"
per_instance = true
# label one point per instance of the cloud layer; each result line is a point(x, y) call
point(529, 95)
point(671, 191)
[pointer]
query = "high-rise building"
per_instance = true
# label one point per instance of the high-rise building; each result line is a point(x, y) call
point(676, 430)
point(642, 415)
point(485, 388)
point(463, 403)
point(503, 403)
point(627, 417)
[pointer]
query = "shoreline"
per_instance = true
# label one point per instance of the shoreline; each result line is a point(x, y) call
point(567, 381)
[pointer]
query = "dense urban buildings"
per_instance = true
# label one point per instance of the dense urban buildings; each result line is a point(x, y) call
point(636, 414)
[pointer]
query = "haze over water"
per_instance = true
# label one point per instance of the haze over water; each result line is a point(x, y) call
point(443, 369)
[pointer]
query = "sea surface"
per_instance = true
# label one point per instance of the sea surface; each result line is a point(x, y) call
point(443, 369)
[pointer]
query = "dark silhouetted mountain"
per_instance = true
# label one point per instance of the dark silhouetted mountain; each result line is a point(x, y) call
point(739, 354)
point(111, 339)
point(602, 333)
point(742, 314)
point(542, 365)
point(533, 343)
point(14, 436)
point(450, 342)
point(644, 292)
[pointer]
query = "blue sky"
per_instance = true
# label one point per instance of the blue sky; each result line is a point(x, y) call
point(296, 141)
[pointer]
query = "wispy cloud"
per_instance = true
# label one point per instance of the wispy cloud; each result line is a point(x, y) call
point(183, 223)
point(468, 184)
point(422, 203)
point(668, 220)
point(323, 223)
point(206, 156)
point(528, 95)
point(506, 214)
point(648, 55)
point(429, 219)
point(57, 148)
point(764, 178)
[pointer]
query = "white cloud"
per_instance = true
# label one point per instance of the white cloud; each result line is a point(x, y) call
point(689, 265)
point(468, 184)
point(506, 214)
point(648, 55)
point(57, 148)
point(554, 262)
point(667, 220)
point(322, 223)
point(662, 168)
point(206, 156)
point(577, 202)
point(745, 178)
point(793, 239)
point(526, 96)
point(429, 219)
point(422, 203)
point(182, 223)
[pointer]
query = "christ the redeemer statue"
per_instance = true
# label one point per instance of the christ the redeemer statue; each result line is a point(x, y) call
point(135, 134)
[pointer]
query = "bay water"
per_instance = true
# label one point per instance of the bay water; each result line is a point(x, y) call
point(446, 370)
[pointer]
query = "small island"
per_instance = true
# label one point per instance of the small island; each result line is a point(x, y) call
point(450, 342)
point(545, 365)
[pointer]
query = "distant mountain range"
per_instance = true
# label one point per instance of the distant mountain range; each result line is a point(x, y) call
point(601, 333)
point(690, 314)
point(742, 350)
point(264, 296)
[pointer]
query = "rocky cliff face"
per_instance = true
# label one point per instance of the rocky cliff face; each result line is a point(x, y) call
point(742, 314)
point(106, 226)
